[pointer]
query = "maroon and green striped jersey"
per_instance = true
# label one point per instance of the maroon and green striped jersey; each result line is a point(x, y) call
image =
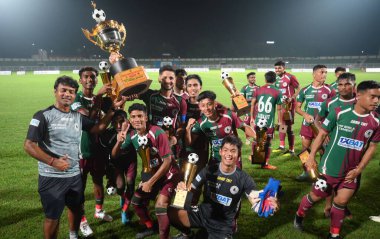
point(158, 142)
point(350, 134)
point(217, 130)
point(334, 104)
point(287, 84)
point(159, 106)
point(247, 91)
point(267, 97)
point(313, 98)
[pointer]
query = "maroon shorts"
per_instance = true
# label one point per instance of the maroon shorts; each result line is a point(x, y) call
point(306, 132)
point(166, 185)
point(95, 165)
point(326, 184)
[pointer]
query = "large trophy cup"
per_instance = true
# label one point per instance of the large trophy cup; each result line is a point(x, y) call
point(109, 35)
point(304, 155)
point(238, 101)
point(183, 198)
point(258, 156)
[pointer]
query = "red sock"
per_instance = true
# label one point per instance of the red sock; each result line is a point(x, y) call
point(291, 138)
point(282, 139)
point(163, 222)
point(305, 205)
point(337, 215)
point(142, 213)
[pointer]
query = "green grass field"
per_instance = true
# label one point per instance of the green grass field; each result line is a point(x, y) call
point(21, 214)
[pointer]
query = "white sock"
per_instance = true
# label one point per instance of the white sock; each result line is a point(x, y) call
point(73, 235)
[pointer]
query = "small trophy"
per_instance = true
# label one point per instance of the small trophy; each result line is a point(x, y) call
point(109, 35)
point(304, 155)
point(287, 106)
point(238, 101)
point(183, 198)
point(144, 152)
point(258, 156)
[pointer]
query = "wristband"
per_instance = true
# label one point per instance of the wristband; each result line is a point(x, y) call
point(51, 161)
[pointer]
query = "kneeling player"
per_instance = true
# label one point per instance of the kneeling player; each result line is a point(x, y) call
point(219, 208)
point(355, 133)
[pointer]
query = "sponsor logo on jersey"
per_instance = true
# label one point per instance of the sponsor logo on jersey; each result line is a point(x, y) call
point(198, 178)
point(226, 201)
point(314, 105)
point(283, 91)
point(34, 122)
point(350, 143)
point(368, 133)
point(358, 123)
point(326, 122)
point(224, 179)
point(234, 190)
point(216, 142)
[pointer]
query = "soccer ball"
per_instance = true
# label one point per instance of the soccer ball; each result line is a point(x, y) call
point(283, 99)
point(103, 65)
point(99, 15)
point(142, 140)
point(111, 190)
point(193, 158)
point(321, 184)
point(261, 123)
point(167, 121)
point(224, 75)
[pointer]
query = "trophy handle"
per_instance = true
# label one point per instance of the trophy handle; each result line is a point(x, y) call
point(88, 35)
point(122, 30)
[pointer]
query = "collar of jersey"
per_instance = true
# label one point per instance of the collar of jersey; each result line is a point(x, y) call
point(224, 173)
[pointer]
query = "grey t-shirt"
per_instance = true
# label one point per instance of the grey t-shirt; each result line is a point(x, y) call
point(58, 133)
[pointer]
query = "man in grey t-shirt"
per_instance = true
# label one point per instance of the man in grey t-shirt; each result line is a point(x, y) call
point(53, 139)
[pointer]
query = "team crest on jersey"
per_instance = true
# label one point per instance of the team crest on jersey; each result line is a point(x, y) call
point(227, 129)
point(368, 133)
point(284, 84)
point(350, 143)
point(234, 190)
point(324, 96)
point(34, 122)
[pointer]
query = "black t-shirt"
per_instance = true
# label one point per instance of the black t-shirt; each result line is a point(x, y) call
point(223, 193)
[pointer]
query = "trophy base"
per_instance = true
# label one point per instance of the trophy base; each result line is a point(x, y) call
point(241, 105)
point(258, 157)
point(132, 81)
point(182, 199)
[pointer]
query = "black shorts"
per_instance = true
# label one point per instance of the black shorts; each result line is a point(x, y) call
point(199, 219)
point(55, 193)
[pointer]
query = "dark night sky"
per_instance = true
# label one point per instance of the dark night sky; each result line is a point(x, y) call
point(196, 28)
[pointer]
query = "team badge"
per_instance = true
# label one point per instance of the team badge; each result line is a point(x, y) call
point(368, 133)
point(227, 130)
point(34, 122)
point(324, 96)
point(234, 190)
point(284, 84)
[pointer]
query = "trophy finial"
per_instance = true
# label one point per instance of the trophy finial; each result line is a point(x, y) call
point(93, 4)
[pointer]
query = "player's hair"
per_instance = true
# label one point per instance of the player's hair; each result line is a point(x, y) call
point(166, 68)
point(121, 113)
point(206, 95)
point(180, 72)
point(317, 67)
point(137, 106)
point(250, 74)
point(339, 68)
point(270, 77)
point(66, 81)
point(194, 76)
point(279, 63)
point(368, 85)
point(88, 68)
point(348, 76)
point(233, 140)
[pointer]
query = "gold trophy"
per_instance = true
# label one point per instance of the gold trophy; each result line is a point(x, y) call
point(183, 198)
point(258, 156)
point(304, 155)
point(238, 101)
point(287, 106)
point(144, 152)
point(109, 35)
